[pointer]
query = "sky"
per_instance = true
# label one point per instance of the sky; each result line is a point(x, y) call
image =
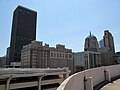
point(66, 22)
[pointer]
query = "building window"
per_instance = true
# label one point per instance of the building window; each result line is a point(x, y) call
point(57, 54)
point(54, 54)
point(63, 55)
point(66, 56)
point(60, 55)
point(51, 54)
point(70, 56)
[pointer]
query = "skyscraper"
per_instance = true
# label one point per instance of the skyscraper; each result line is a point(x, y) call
point(99, 56)
point(108, 51)
point(91, 43)
point(92, 56)
point(23, 31)
point(109, 41)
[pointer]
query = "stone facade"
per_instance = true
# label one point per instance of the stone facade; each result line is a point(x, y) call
point(117, 57)
point(92, 59)
point(108, 51)
point(2, 62)
point(91, 43)
point(92, 56)
point(99, 56)
point(37, 55)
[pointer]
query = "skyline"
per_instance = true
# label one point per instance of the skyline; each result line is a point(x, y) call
point(70, 19)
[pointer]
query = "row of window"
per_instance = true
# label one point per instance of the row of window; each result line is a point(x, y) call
point(26, 63)
point(60, 55)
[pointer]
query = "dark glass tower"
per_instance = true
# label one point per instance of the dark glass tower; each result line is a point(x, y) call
point(23, 31)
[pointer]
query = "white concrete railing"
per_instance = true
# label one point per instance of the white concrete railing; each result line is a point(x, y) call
point(80, 80)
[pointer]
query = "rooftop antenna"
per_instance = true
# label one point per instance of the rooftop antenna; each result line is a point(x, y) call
point(90, 33)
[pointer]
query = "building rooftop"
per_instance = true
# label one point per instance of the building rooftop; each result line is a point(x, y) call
point(24, 8)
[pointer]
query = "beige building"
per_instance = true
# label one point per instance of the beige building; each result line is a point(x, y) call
point(99, 56)
point(92, 56)
point(92, 59)
point(37, 55)
point(91, 43)
point(108, 49)
point(34, 55)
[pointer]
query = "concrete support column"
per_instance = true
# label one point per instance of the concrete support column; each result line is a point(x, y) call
point(39, 82)
point(88, 61)
point(66, 75)
point(8, 83)
point(107, 75)
point(88, 83)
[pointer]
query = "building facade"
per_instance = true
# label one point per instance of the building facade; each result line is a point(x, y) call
point(101, 43)
point(61, 57)
point(37, 55)
point(78, 61)
point(23, 31)
point(109, 41)
point(92, 57)
point(99, 56)
point(8, 56)
point(2, 62)
point(117, 57)
point(108, 51)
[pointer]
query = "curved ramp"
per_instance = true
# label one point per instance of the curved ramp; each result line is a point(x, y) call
point(88, 79)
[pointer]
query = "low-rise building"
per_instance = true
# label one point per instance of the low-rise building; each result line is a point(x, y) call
point(78, 61)
point(117, 57)
point(92, 59)
point(2, 62)
point(37, 55)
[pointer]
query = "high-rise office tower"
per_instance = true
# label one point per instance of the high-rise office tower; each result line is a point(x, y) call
point(23, 31)
point(91, 43)
point(109, 41)
point(108, 51)
point(91, 54)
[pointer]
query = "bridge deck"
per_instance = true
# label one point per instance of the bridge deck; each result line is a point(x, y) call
point(115, 85)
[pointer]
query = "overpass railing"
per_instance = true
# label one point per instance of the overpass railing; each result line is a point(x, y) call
point(88, 79)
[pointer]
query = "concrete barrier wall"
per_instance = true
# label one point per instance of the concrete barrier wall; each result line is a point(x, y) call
point(74, 82)
point(114, 70)
point(77, 82)
point(97, 74)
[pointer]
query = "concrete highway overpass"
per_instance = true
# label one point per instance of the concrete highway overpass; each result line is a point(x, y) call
point(32, 78)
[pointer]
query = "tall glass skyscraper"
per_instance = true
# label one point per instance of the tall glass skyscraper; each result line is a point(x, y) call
point(23, 31)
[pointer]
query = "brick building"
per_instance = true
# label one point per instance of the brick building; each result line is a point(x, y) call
point(37, 55)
